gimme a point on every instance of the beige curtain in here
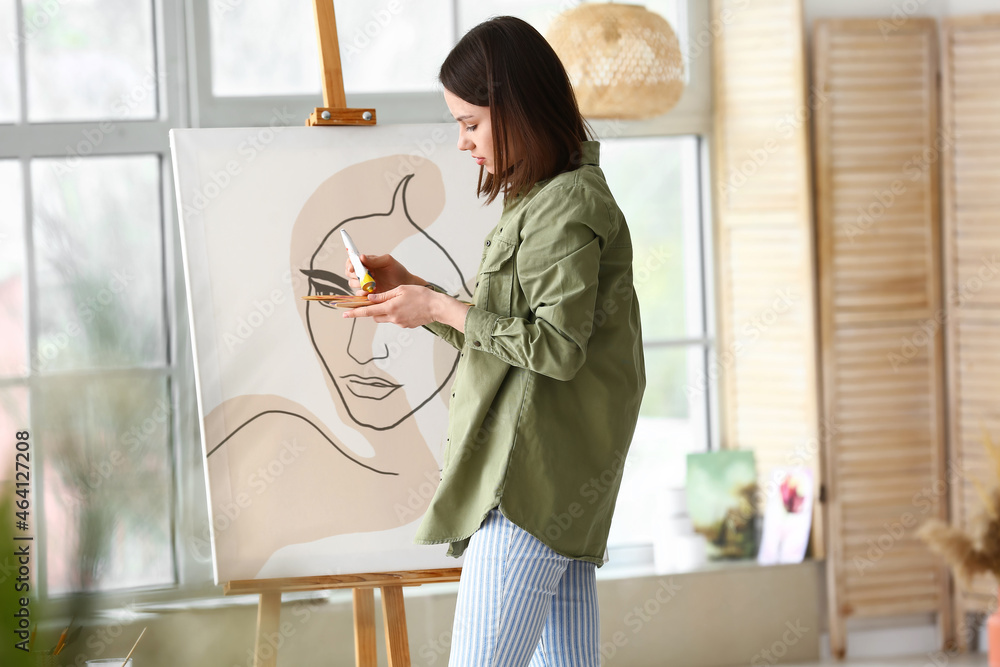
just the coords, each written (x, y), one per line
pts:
(767, 356)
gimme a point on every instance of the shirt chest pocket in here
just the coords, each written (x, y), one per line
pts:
(496, 277)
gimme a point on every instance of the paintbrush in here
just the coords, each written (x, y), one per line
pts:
(125, 661)
(334, 297)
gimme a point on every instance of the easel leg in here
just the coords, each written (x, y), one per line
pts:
(397, 642)
(364, 628)
(268, 616)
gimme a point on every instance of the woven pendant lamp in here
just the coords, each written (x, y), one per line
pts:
(624, 60)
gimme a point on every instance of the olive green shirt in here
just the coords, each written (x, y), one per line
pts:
(551, 372)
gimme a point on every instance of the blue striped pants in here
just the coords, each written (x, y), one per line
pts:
(520, 603)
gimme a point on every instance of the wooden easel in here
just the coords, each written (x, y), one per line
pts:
(362, 585)
(335, 112)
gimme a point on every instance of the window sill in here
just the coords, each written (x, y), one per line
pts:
(608, 573)
(211, 598)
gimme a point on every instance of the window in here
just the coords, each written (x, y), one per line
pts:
(390, 53)
(393, 45)
(13, 394)
(98, 259)
(101, 405)
(88, 61)
(13, 353)
(656, 181)
(88, 310)
(9, 90)
(96, 358)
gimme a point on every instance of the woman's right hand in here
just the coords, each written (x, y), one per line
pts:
(387, 272)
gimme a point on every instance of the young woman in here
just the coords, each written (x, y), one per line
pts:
(550, 373)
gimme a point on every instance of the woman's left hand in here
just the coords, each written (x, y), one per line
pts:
(406, 306)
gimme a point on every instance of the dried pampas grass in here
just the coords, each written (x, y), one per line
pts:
(978, 550)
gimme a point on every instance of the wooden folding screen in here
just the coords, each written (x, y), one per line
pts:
(971, 144)
(767, 354)
(878, 222)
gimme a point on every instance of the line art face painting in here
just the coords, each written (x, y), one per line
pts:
(322, 435)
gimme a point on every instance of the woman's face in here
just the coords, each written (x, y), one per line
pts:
(382, 373)
(475, 132)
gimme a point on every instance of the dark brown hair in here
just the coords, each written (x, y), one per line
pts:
(507, 65)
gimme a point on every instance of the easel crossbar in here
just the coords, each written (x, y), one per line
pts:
(327, 582)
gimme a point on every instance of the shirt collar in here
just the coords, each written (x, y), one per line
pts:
(590, 153)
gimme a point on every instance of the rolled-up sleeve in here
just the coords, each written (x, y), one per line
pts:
(556, 266)
(450, 334)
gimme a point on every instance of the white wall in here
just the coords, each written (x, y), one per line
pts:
(816, 9)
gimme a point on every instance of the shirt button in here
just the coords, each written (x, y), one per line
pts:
(477, 344)
(453, 394)
(487, 243)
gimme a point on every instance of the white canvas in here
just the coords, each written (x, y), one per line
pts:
(322, 435)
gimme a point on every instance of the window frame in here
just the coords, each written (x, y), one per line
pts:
(692, 115)
(638, 557)
(23, 142)
(182, 52)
